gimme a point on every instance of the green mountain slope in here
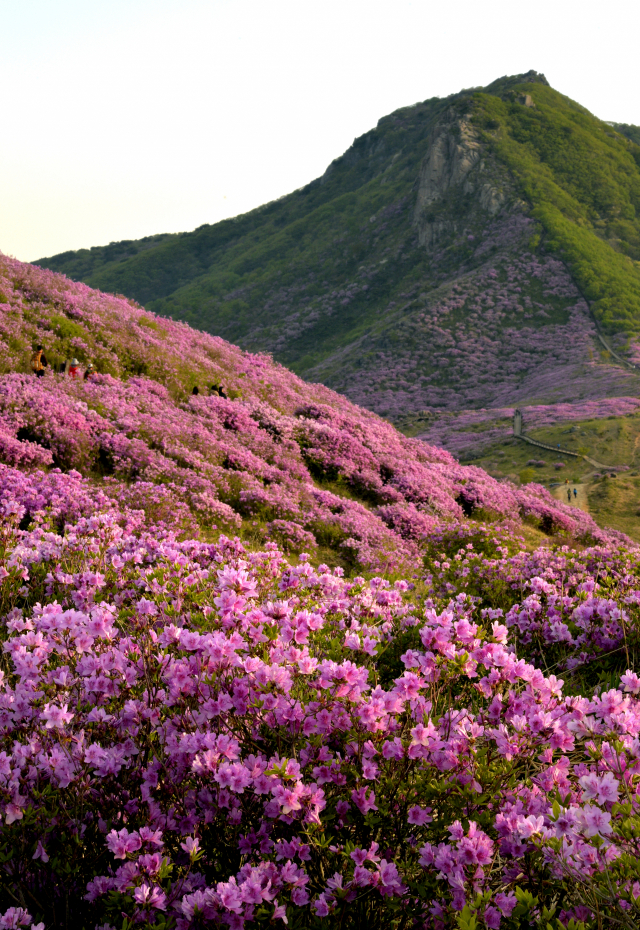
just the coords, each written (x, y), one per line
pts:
(631, 132)
(442, 262)
(582, 182)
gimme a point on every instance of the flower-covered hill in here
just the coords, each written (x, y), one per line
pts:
(274, 459)
(221, 704)
(194, 735)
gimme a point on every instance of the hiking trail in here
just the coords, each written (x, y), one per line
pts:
(581, 501)
(517, 432)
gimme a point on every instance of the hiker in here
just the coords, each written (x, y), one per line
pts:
(74, 369)
(218, 389)
(575, 492)
(38, 362)
(90, 370)
(196, 390)
(62, 368)
(569, 494)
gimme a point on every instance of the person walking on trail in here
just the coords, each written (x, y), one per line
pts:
(569, 494)
(575, 492)
(74, 369)
(38, 362)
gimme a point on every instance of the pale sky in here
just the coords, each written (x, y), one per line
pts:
(124, 118)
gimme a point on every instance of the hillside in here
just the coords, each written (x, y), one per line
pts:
(267, 661)
(276, 458)
(454, 257)
(607, 431)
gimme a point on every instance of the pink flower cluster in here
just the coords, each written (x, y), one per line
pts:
(217, 462)
(566, 612)
(164, 701)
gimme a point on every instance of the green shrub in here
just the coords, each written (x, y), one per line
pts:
(66, 328)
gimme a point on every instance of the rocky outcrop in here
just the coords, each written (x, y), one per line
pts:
(453, 151)
(458, 179)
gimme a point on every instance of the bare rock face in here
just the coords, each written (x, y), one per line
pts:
(457, 180)
(454, 150)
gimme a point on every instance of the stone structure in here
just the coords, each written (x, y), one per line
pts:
(517, 422)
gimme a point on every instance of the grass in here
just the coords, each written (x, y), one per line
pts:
(613, 502)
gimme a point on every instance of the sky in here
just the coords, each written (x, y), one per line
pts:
(125, 118)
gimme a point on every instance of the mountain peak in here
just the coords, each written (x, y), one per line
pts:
(509, 82)
(456, 257)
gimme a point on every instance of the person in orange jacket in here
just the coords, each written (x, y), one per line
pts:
(38, 362)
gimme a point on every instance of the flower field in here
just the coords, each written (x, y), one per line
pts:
(268, 662)
(513, 330)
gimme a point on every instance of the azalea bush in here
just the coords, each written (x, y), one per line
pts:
(194, 734)
(308, 477)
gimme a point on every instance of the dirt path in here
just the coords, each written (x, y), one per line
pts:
(581, 501)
